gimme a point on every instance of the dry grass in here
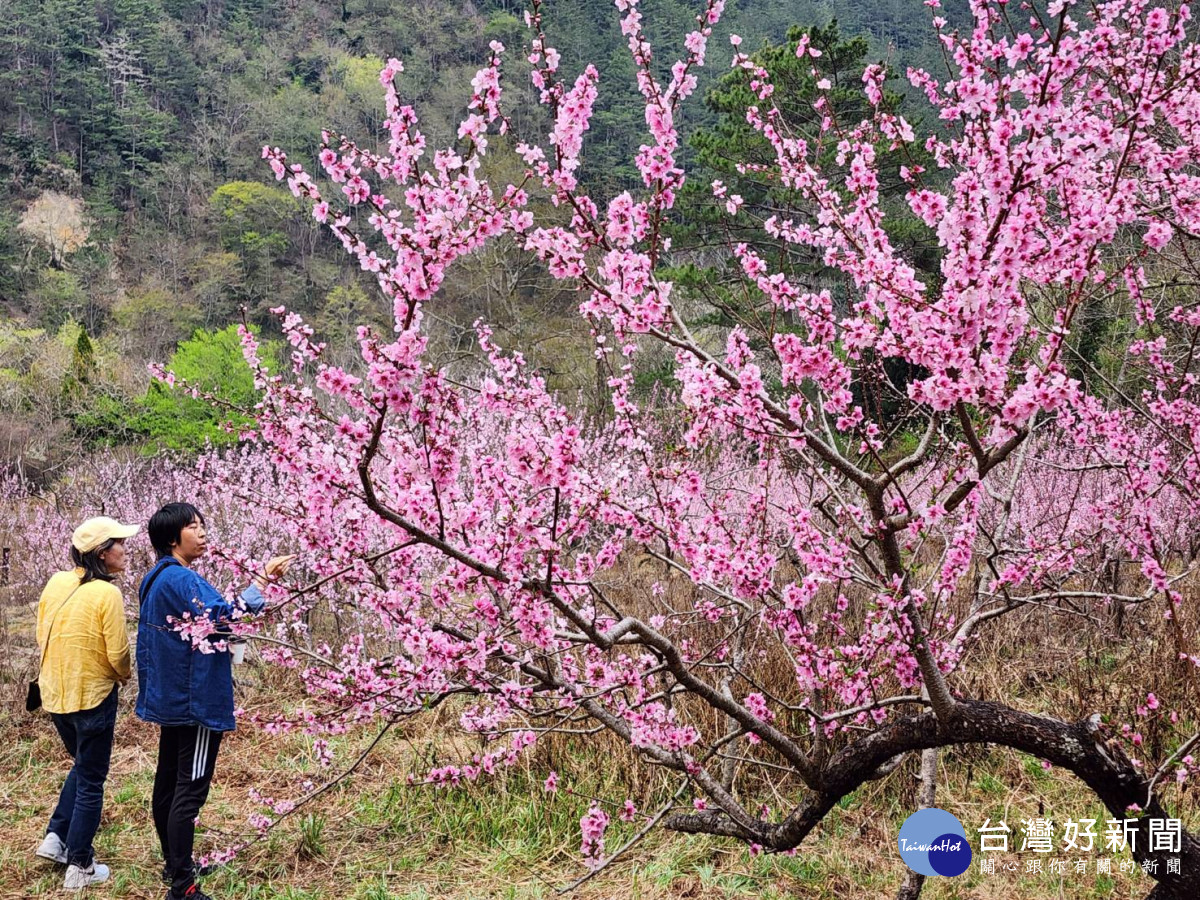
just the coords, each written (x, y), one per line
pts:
(373, 837)
(382, 840)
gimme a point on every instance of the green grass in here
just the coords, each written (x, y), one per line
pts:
(375, 837)
(990, 784)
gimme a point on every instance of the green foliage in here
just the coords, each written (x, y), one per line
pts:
(253, 216)
(344, 309)
(83, 365)
(361, 102)
(724, 151)
(210, 363)
(157, 318)
(12, 275)
(256, 223)
(503, 26)
(732, 142)
(57, 298)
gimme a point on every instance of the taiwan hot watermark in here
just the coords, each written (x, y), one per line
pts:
(934, 842)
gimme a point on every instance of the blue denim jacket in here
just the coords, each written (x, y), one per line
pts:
(177, 683)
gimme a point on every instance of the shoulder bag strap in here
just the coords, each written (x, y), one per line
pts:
(50, 630)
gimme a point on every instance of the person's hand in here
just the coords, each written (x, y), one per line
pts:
(277, 567)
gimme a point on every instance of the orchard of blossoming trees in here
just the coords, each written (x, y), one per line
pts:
(471, 529)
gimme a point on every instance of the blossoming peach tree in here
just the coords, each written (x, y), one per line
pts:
(470, 531)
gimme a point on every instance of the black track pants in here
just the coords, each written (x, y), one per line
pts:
(187, 756)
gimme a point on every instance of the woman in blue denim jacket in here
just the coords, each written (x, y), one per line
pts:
(185, 688)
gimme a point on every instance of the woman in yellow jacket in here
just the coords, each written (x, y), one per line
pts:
(85, 655)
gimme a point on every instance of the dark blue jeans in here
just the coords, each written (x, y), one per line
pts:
(88, 736)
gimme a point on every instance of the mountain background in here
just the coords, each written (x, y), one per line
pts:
(138, 222)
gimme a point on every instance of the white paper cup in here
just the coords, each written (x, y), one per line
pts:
(238, 652)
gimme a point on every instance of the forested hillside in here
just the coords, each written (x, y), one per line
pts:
(135, 208)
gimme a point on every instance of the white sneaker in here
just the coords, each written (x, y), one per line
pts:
(80, 878)
(53, 849)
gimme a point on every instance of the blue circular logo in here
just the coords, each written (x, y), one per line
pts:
(933, 842)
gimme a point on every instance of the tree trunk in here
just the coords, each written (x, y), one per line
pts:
(1081, 747)
(914, 881)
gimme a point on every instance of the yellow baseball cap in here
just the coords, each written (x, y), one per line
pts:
(94, 532)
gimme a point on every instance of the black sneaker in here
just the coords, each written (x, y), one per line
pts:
(192, 893)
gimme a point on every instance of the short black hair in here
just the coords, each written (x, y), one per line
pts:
(167, 524)
(91, 563)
